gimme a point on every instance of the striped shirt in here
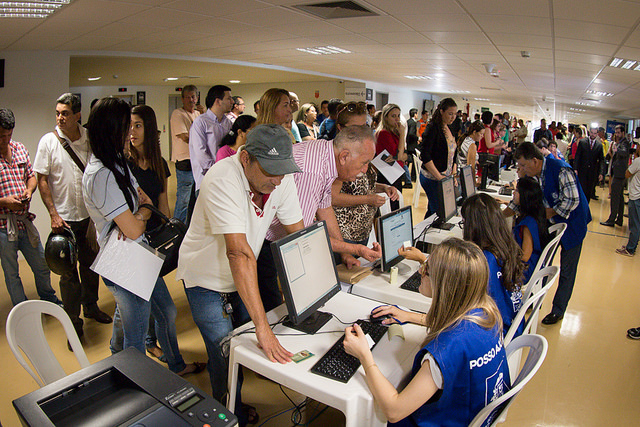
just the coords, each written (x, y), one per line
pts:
(14, 177)
(317, 161)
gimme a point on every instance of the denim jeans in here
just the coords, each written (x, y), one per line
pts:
(207, 309)
(634, 225)
(131, 322)
(430, 187)
(183, 193)
(35, 259)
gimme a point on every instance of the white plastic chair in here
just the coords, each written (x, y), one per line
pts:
(25, 332)
(542, 281)
(549, 252)
(386, 208)
(495, 412)
(417, 187)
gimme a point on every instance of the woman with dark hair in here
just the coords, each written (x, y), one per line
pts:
(236, 137)
(485, 226)
(306, 121)
(437, 152)
(531, 231)
(467, 145)
(490, 139)
(113, 196)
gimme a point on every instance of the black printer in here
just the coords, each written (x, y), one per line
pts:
(126, 389)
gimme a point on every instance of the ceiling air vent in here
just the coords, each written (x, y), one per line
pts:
(336, 9)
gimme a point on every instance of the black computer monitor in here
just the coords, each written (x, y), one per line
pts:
(394, 229)
(468, 182)
(490, 164)
(447, 207)
(308, 276)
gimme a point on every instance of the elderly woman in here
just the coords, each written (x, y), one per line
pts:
(306, 122)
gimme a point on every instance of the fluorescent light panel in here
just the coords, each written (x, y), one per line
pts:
(30, 9)
(323, 50)
(600, 93)
(419, 77)
(629, 64)
(615, 62)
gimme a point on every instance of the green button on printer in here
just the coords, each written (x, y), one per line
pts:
(222, 416)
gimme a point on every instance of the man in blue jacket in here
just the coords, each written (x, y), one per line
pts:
(565, 202)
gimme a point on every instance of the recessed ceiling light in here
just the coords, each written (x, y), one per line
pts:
(599, 93)
(460, 91)
(234, 81)
(615, 62)
(323, 50)
(630, 63)
(30, 9)
(93, 79)
(481, 99)
(170, 79)
(497, 105)
(594, 125)
(419, 77)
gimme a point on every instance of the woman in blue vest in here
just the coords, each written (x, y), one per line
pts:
(531, 231)
(463, 366)
(485, 226)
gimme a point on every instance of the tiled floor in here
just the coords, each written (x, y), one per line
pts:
(589, 378)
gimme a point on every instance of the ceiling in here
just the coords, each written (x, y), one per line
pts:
(571, 43)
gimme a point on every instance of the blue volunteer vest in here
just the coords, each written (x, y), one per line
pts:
(508, 302)
(579, 217)
(474, 373)
(532, 225)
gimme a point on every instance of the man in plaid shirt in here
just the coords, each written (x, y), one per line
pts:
(17, 232)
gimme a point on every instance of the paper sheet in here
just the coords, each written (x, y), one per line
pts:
(390, 171)
(133, 266)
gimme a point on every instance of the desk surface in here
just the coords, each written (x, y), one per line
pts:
(393, 357)
(376, 286)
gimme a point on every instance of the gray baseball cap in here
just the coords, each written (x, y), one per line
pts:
(271, 145)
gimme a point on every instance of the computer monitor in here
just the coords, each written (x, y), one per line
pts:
(490, 164)
(447, 207)
(307, 274)
(394, 229)
(468, 182)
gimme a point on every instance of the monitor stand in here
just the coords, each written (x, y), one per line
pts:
(311, 324)
(483, 180)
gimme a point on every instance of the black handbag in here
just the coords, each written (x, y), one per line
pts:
(166, 238)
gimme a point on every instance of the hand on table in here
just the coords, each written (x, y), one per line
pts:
(271, 347)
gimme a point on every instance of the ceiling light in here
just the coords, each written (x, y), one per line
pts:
(599, 93)
(419, 77)
(615, 62)
(630, 63)
(481, 99)
(93, 79)
(323, 50)
(497, 105)
(594, 125)
(30, 9)
(460, 91)
(234, 81)
(170, 79)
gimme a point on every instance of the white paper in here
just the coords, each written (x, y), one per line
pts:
(370, 341)
(132, 265)
(391, 172)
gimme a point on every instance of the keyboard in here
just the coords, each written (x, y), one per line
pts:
(413, 282)
(340, 366)
(505, 191)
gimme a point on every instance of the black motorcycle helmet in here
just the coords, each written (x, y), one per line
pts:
(61, 251)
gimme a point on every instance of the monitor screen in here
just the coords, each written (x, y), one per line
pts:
(467, 180)
(447, 208)
(307, 274)
(394, 229)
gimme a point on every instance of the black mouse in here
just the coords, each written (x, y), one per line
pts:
(379, 319)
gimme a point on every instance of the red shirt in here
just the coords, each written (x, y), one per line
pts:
(14, 177)
(482, 148)
(388, 141)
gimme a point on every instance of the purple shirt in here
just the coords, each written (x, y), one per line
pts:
(204, 137)
(317, 161)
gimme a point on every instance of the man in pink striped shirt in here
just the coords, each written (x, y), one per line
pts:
(346, 157)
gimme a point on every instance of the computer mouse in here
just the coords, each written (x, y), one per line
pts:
(379, 319)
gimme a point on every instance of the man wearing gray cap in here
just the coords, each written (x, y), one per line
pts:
(239, 197)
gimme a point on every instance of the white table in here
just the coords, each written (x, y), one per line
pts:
(496, 194)
(376, 286)
(394, 358)
(435, 236)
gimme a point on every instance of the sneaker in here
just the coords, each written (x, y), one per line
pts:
(623, 251)
(634, 333)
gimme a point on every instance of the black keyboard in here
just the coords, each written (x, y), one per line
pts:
(505, 191)
(340, 366)
(413, 282)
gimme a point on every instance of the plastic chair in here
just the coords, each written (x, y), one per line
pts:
(386, 208)
(543, 280)
(25, 332)
(549, 252)
(416, 190)
(495, 412)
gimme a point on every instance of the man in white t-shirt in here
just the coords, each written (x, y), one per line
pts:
(634, 209)
(239, 197)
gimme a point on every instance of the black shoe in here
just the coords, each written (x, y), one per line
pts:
(607, 223)
(619, 224)
(596, 198)
(407, 185)
(93, 312)
(552, 319)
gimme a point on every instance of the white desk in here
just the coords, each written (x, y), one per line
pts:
(435, 236)
(376, 286)
(394, 358)
(496, 194)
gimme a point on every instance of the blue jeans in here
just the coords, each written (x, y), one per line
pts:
(131, 322)
(634, 225)
(430, 187)
(183, 193)
(35, 259)
(207, 309)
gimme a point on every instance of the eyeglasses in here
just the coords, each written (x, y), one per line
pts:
(359, 107)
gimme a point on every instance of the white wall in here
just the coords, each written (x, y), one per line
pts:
(32, 82)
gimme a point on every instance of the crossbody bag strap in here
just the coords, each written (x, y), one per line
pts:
(72, 153)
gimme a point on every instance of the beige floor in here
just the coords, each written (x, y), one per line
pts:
(589, 378)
